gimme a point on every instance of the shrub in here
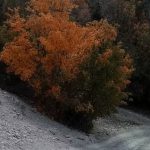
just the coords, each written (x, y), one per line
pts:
(133, 19)
(98, 89)
(57, 58)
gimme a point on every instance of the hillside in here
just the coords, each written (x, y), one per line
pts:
(22, 128)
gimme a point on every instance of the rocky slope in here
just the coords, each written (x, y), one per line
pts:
(22, 128)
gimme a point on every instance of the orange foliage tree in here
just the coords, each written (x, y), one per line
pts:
(49, 49)
(48, 43)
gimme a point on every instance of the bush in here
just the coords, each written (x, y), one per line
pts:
(106, 75)
(57, 58)
(133, 20)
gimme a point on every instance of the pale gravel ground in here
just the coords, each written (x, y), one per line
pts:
(22, 128)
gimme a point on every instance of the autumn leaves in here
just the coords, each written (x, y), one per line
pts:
(48, 50)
